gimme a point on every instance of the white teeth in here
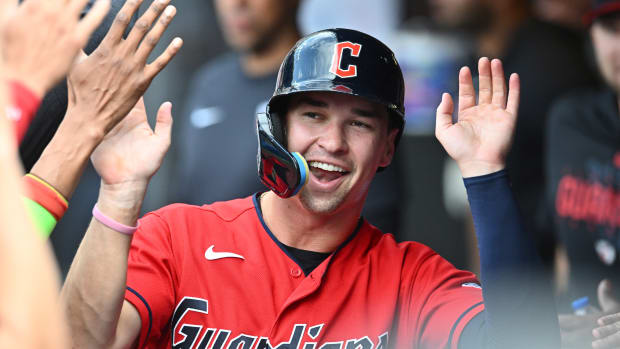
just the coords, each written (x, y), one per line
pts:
(326, 167)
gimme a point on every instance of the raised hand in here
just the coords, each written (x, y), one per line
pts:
(482, 135)
(132, 152)
(40, 38)
(108, 83)
(598, 328)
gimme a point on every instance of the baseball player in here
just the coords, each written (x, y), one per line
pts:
(297, 266)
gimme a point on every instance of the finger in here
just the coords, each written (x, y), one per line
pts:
(444, 114)
(484, 81)
(92, 20)
(612, 341)
(163, 125)
(606, 297)
(145, 22)
(79, 58)
(609, 319)
(467, 95)
(121, 21)
(499, 84)
(151, 40)
(139, 106)
(514, 86)
(75, 7)
(160, 63)
(605, 331)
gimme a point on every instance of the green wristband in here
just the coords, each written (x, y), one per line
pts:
(43, 221)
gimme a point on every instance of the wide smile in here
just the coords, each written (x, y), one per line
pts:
(326, 176)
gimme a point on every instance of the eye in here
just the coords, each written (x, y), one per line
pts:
(361, 124)
(311, 115)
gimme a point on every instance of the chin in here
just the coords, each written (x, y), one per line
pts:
(321, 205)
(240, 45)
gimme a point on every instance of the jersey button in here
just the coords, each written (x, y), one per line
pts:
(295, 272)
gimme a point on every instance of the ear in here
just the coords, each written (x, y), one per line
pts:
(390, 147)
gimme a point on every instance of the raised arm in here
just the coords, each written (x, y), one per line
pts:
(40, 40)
(94, 290)
(30, 314)
(519, 307)
(102, 88)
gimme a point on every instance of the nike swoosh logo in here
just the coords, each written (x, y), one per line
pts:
(211, 255)
(205, 117)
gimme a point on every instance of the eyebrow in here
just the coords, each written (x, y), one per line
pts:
(313, 102)
(365, 113)
(317, 103)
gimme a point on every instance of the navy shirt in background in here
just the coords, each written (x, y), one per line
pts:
(583, 196)
(216, 142)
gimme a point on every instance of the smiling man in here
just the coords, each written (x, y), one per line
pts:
(297, 266)
(345, 157)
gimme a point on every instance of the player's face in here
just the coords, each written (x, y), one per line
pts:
(606, 40)
(344, 139)
(249, 25)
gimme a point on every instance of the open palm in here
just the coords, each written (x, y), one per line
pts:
(132, 151)
(481, 137)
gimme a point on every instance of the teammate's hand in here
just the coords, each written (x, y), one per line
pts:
(40, 38)
(598, 329)
(607, 334)
(104, 86)
(132, 152)
(481, 137)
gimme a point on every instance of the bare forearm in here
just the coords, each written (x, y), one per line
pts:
(63, 161)
(24, 261)
(95, 287)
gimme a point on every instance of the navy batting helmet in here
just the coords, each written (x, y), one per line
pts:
(335, 60)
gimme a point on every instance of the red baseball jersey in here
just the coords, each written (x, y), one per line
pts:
(216, 277)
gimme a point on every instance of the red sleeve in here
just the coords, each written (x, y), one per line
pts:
(151, 277)
(445, 299)
(22, 109)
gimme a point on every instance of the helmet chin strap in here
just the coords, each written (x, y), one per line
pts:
(283, 172)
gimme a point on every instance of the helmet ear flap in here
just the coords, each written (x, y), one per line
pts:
(283, 172)
(278, 126)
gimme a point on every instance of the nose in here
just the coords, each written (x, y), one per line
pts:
(333, 138)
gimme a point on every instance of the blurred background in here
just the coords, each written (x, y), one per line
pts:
(543, 40)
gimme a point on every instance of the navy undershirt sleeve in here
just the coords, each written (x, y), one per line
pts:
(519, 307)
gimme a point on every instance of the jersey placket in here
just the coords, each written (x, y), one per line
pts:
(307, 286)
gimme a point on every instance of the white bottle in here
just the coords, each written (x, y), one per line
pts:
(582, 306)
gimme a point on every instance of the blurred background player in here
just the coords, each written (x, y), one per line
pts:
(583, 175)
(224, 97)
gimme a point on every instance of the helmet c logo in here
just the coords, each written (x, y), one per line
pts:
(351, 70)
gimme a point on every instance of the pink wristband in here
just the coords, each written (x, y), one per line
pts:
(112, 224)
